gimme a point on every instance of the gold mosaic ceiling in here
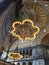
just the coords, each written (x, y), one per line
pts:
(36, 11)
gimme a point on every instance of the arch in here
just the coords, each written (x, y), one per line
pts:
(30, 63)
(20, 52)
(27, 52)
(23, 52)
(45, 39)
(24, 63)
(30, 52)
(18, 63)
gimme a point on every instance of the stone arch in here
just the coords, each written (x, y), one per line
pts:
(18, 63)
(30, 52)
(20, 52)
(24, 63)
(45, 39)
(27, 52)
(23, 52)
(30, 63)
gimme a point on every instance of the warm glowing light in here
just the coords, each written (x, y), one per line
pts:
(24, 32)
(14, 56)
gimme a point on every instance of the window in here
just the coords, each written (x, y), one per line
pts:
(23, 53)
(1, 1)
(30, 52)
(20, 52)
(30, 63)
(23, 63)
(27, 52)
(18, 63)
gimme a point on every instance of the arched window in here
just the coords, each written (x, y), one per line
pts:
(30, 52)
(23, 63)
(18, 63)
(27, 52)
(20, 52)
(23, 53)
(30, 63)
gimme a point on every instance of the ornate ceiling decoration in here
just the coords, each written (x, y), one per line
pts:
(40, 50)
(40, 13)
(25, 30)
(35, 11)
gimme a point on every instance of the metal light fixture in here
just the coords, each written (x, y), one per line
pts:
(14, 56)
(25, 30)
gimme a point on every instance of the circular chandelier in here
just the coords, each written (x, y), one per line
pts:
(25, 30)
(15, 56)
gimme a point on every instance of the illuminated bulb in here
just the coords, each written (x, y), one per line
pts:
(46, 5)
(15, 63)
(44, 30)
(35, 1)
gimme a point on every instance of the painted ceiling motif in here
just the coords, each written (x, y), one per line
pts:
(34, 11)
